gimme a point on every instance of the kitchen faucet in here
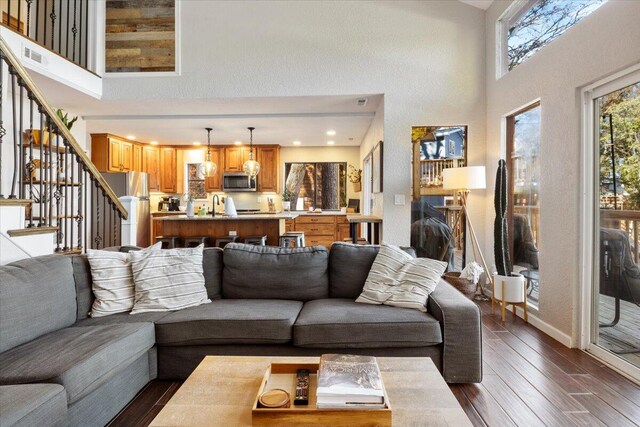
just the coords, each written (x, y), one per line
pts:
(216, 202)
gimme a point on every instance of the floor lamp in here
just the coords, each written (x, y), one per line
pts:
(462, 180)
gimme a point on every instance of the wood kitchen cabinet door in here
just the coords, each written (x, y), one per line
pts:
(126, 156)
(214, 183)
(269, 159)
(114, 155)
(234, 158)
(137, 158)
(151, 165)
(168, 171)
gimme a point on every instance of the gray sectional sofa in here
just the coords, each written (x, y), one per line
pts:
(58, 363)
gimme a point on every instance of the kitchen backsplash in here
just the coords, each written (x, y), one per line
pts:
(241, 200)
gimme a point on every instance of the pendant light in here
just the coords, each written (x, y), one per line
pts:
(251, 167)
(209, 168)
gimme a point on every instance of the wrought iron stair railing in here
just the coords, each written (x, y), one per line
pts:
(47, 166)
(61, 26)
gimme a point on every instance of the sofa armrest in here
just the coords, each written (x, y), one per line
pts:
(460, 321)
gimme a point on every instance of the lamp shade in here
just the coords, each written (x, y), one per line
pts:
(467, 178)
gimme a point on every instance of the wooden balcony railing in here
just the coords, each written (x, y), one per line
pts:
(628, 221)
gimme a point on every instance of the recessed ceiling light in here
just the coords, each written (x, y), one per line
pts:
(331, 142)
(238, 142)
(196, 143)
(131, 137)
(154, 143)
(331, 132)
(297, 142)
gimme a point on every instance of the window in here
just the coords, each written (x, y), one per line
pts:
(523, 154)
(527, 26)
(317, 185)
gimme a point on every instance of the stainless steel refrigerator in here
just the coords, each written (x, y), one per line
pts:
(134, 184)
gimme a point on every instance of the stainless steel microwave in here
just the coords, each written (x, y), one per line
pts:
(238, 182)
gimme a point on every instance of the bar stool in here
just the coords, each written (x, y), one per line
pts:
(168, 242)
(295, 237)
(296, 233)
(221, 242)
(256, 240)
(190, 242)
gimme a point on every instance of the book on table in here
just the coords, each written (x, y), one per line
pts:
(349, 381)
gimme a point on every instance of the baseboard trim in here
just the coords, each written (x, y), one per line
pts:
(552, 331)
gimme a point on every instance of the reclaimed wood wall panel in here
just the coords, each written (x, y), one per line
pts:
(140, 36)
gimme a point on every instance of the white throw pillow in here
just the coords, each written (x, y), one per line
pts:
(398, 279)
(168, 279)
(112, 279)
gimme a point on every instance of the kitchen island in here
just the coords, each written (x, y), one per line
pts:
(270, 225)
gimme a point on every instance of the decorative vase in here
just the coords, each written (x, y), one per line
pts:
(190, 209)
(513, 286)
(357, 186)
(286, 205)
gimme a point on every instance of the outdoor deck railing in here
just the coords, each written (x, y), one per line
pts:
(628, 221)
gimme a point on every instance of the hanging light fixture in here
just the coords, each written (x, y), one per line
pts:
(208, 168)
(251, 167)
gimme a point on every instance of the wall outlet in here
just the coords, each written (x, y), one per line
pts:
(398, 200)
(259, 199)
(233, 233)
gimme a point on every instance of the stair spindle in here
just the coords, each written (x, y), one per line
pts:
(51, 178)
(21, 150)
(30, 163)
(80, 219)
(58, 193)
(43, 129)
(104, 222)
(72, 199)
(86, 191)
(65, 188)
(2, 129)
(14, 181)
(66, 49)
(53, 17)
(86, 28)
(74, 30)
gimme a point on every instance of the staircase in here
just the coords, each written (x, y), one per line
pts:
(52, 197)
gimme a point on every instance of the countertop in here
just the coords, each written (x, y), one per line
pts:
(219, 217)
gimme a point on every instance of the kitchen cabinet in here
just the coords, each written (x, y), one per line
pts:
(269, 159)
(234, 158)
(110, 153)
(168, 171)
(137, 157)
(151, 165)
(214, 183)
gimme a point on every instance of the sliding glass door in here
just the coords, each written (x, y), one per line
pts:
(615, 296)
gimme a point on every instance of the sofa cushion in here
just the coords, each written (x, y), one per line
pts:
(168, 279)
(115, 319)
(349, 267)
(229, 321)
(79, 358)
(32, 405)
(265, 272)
(343, 323)
(37, 296)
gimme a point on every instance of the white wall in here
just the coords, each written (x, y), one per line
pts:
(602, 43)
(427, 58)
(374, 135)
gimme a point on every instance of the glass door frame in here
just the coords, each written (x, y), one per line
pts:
(590, 218)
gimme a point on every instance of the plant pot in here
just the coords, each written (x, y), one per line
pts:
(190, 209)
(357, 187)
(514, 288)
(286, 205)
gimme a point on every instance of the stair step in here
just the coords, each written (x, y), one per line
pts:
(15, 202)
(70, 251)
(56, 217)
(45, 182)
(31, 231)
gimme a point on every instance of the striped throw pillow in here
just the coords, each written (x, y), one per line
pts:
(168, 279)
(398, 279)
(112, 279)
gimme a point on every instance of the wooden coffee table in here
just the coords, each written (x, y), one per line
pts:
(222, 389)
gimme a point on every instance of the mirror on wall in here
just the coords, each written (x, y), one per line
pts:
(435, 233)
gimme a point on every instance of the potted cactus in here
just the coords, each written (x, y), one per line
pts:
(507, 286)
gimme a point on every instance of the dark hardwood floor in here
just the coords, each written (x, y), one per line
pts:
(529, 380)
